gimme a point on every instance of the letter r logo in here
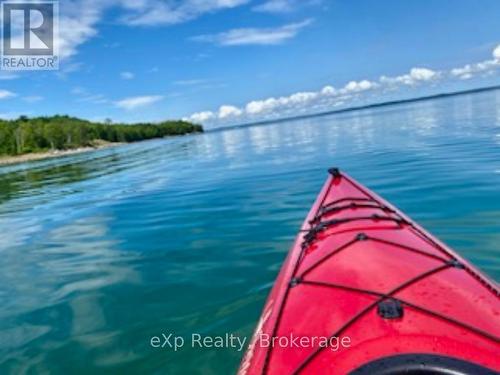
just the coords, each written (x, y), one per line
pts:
(28, 28)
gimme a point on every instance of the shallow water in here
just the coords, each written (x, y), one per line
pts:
(101, 251)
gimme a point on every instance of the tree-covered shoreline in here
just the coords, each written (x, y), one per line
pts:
(27, 135)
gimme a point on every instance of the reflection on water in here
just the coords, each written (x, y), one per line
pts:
(14, 185)
(100, 251)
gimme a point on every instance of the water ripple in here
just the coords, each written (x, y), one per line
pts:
(100, 251)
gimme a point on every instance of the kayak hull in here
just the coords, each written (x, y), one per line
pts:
(361, 283)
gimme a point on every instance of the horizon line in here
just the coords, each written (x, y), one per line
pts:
(357, 108)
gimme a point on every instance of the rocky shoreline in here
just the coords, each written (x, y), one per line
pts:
(9, 160)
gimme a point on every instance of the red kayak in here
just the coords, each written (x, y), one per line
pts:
(365, 290)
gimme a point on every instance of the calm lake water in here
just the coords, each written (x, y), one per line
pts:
(101, 251)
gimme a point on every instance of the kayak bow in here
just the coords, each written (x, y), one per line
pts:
(365, 290)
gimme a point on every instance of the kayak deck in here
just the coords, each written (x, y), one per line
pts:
(361, 269)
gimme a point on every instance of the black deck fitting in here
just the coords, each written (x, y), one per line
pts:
(294, 282)
(331, 222)
(361, 237)
(335, 172)
(311, 235)
(390, 309)
(456, 264)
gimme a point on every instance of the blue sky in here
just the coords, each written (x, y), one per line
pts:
(232, 61)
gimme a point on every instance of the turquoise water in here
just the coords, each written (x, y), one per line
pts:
(101, 251)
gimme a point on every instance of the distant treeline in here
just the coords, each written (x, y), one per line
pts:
(26, 135)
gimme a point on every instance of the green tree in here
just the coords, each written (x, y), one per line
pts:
(63, 132)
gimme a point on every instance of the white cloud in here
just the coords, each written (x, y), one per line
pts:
(79, 19)
(496, 52)
(136, 102)
(466, 72)
(5, 94)
(254, 36)
(471, 70)
(77, 24)
(415, 76)
(329, 98)
(355, 87)
(422, 74)
(283, 6)
(94, 99)
(275, 6)
(328, 90)
(86, 97)
(201, 117)
(302, 97)
(127, 75)
(226, 111)
(170, 12)
(260, 106)
(284, 103)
